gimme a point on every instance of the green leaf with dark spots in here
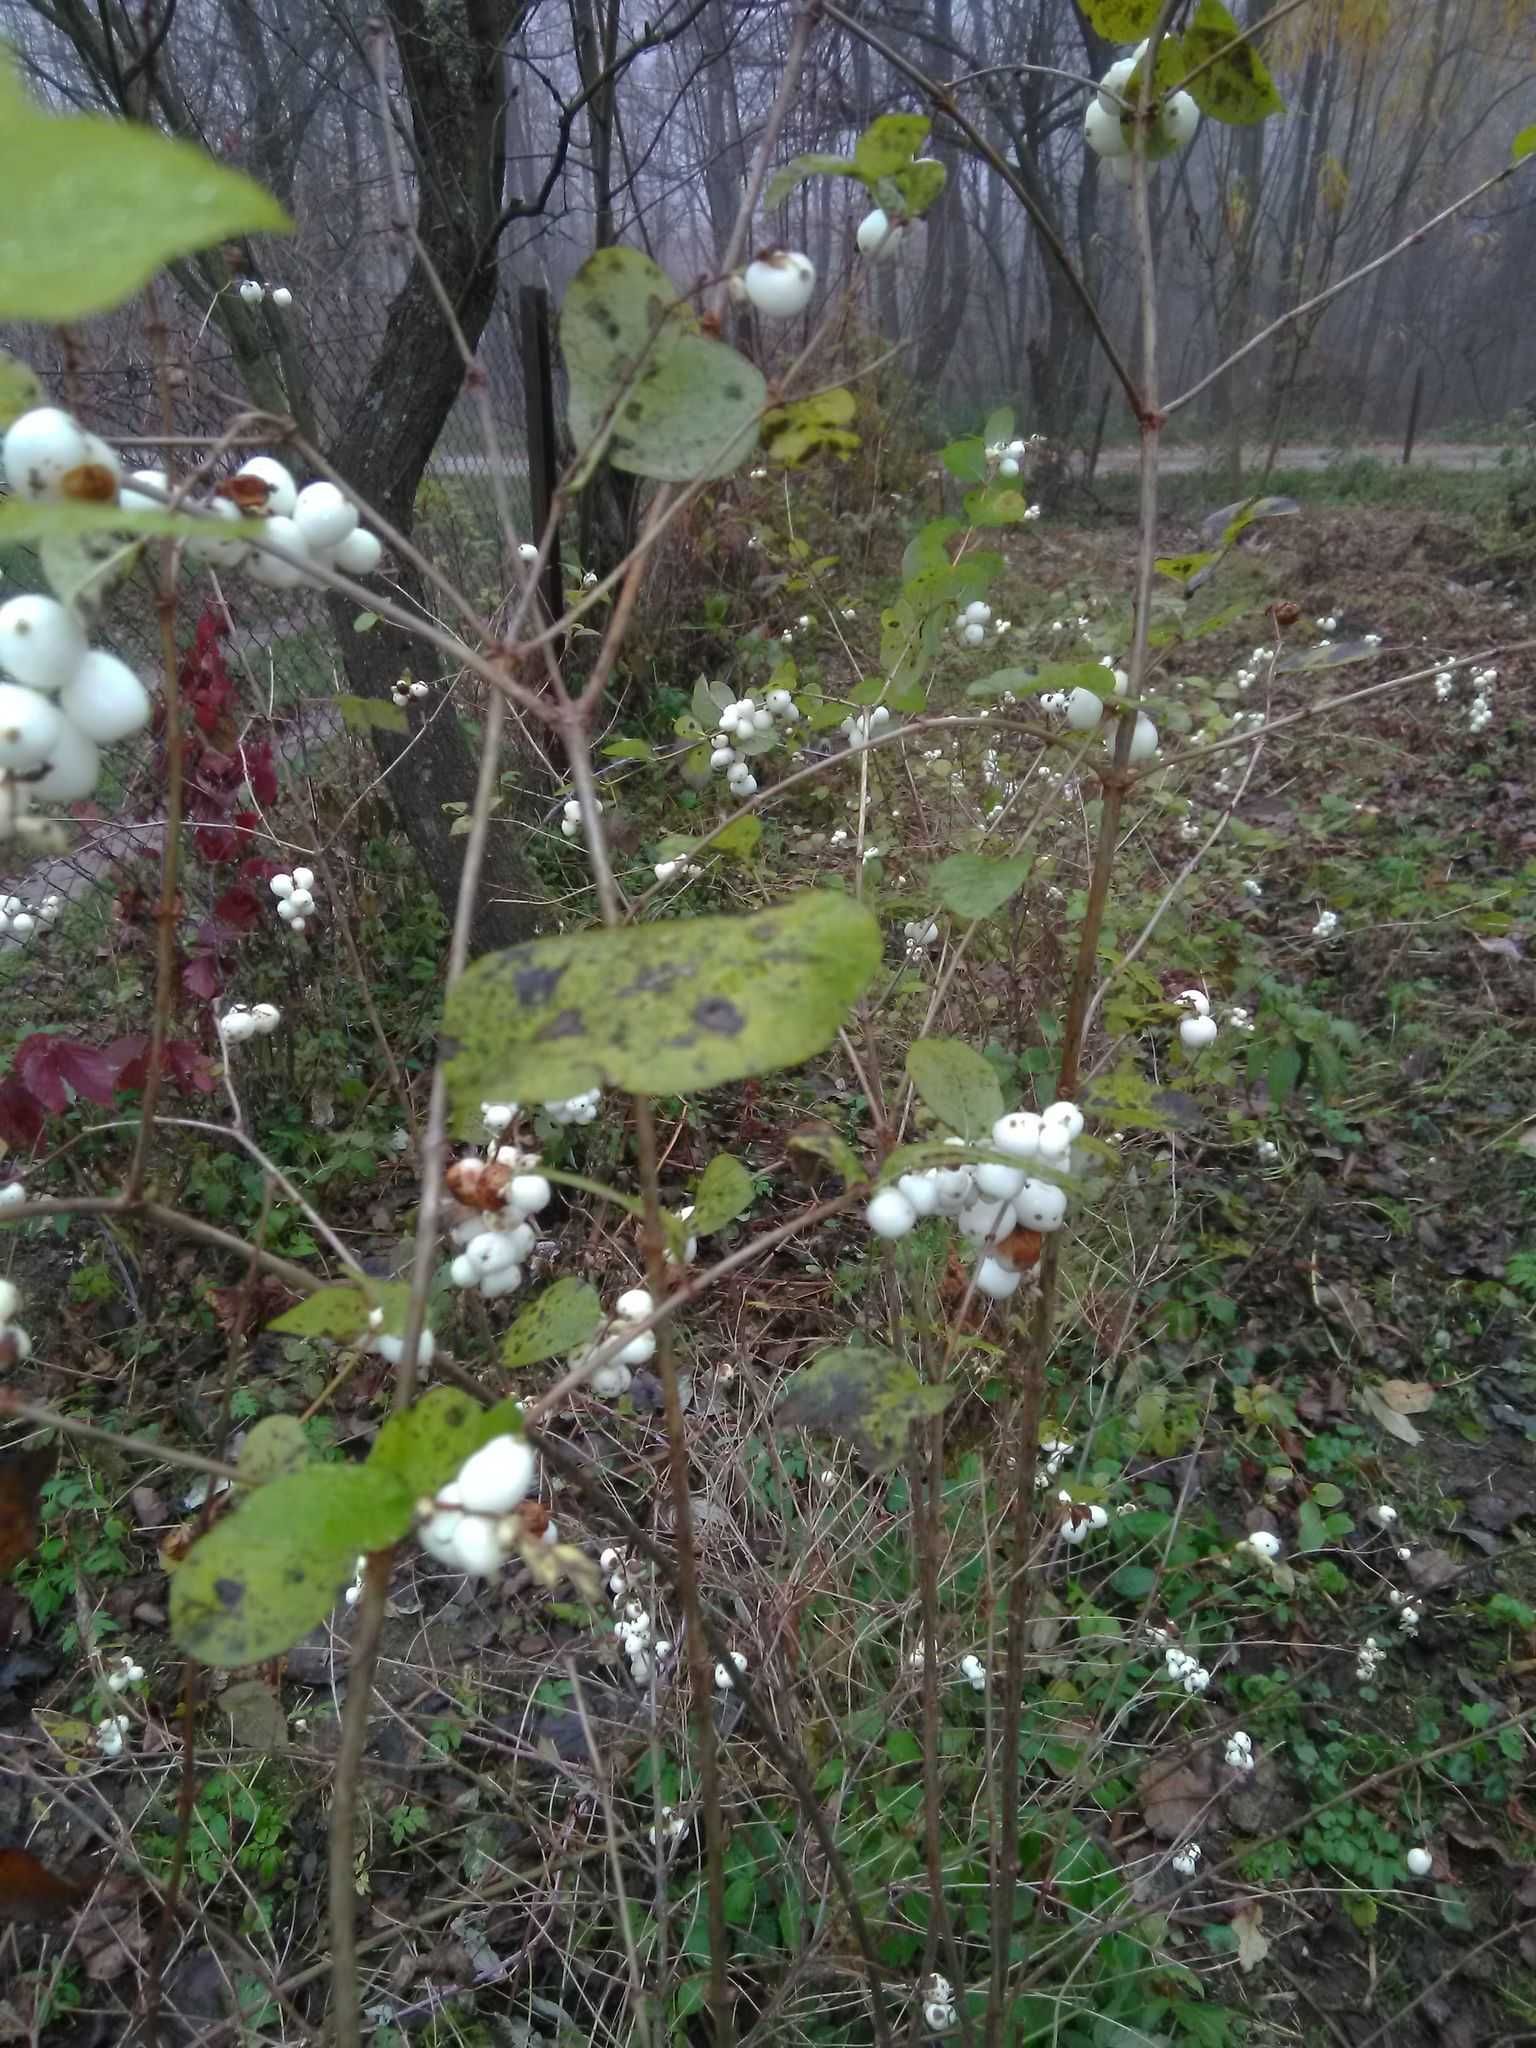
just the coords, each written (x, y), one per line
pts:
(863, 1393)
(265, 1575)
(889, 144)
(661, 1010)
(274, 1446)
(724, 1191)
(342, 1310)
(957, 1084)
(740, 840)
(647, 389)
(425, 1444)
(792, 432)
(563, 1317)
(1123, 21)
(1237, 87)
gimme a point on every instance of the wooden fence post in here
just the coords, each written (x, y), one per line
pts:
(539, 403)
(1413, 416)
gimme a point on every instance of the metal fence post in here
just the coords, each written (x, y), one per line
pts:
(539, 399)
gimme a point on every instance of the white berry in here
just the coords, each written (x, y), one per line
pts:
(282, 491)
(105, 700)
(780, 283)
(42, 643)
(359, 554)
(41, 448)
(497, 1476)
(324, 516)
(890, 1214)
(29, 728)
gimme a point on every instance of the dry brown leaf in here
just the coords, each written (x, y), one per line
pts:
(1394, 1423)
(1174, 1798)
(1408, 1397)
(1252, 1945)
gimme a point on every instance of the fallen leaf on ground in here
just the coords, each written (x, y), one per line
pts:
(1252, 1945)
(1392, 1422)
(1432, 1569)
(1408, 1397)
(1175, 1797)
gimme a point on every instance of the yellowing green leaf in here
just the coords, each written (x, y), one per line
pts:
(1236, 87)
(957, 1084)
(371, 714)
(264, 1576)
(889, 144)
(863, 1393)
(562, 1317)
(663, 1009)
(792, 432)
(425, 1444)
(1523, 145)
(275, 1445)
(20, 389)
(1123, 21)
(93, 207)
(647, 389)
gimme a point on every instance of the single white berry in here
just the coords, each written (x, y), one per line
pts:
(286, 568)
(23, 925)
(477, 1547)
(41, 448)
(1017, 1134)
(1041, 1205)
(920, 1192)
(878, 237)
(1178, 119)
(1084, 710)
(266, 1017)
(30, 727)
(1066, 1116)
(780, 283)
(634, 1305)
(324, 516)
(1001, 1182)
(1009, 466)
(1114, 82)
(639, 1349)
(105, 699)
(977, 613)
(42, 643)
(1420, 1862)
(1263, 1543)
(74, 769)
(609, 1382)
(1197, 1000)
(282, 298)
(1196, 1033)
(995, 1279)
(1104, 131)
(251, 292)
(495, 1478)
(304, 879)
(973, 634)
(890, 1214)
(359, 554)
(133, 498)
(527, 551)
(529, 1192)
(282, 491)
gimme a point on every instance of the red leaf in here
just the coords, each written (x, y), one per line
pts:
(87, 1070)
(240, 908)
(190, 1067)
(261, 771)
(34, 1064)
(217, 844)
(29, 1891)
(130, 1054)
(21, 1115)
(201, 977)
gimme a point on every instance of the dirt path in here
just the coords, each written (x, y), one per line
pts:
(1317, 455)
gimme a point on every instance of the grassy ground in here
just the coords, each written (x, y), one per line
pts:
(1300, 1285)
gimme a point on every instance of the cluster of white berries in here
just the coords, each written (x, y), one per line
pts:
(315, 526)
(65, 700)
(991, 1199)
(1110, 124)
(570, 817)
(938, 1996)
(1186, 1860)
(1327, 924)
(1408, 1616)
(748, 724)
(252, 292)
(674, 1826)
(1445, 682)
(860, 727)
(1008, 458)
(972, 623)
(918, 936)
(18, 922)
(1054, 1452)
(575, 1109)
(111, 1734)
(249, 1020)
(124, 1673)
(665, 870)
(295, 895)
(726, 1672)
(779, 283)
(11, 1332)
(1081, 1522)
(633, 1625)
(611, 1379)
(804, 623)
(1369, 1661)
(469, 1526)
(1239, 1753)
(1480, 711)
(405, 692)
(974, 1672)
(492, 1256)
(1185, 1670)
